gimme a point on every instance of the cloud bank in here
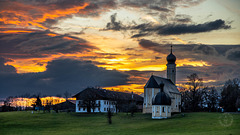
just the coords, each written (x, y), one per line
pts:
(61, 75)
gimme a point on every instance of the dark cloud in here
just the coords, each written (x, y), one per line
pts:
(6, 68)
(147, 29)
(178, 29)
(162, 9)
(234, 54)
(209, 53)
(182, 18)
(205, 49)
(217, 73)
(139, 35)
(160, 5)
(148, 44)
(114, 25)
(35, 44)
(141, 77)
(61, 75)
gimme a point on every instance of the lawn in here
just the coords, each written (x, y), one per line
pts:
(26, 123)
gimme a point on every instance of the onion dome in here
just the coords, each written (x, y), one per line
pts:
(171, 58)
(161, 98)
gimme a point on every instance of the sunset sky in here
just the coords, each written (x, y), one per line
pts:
(53, 46)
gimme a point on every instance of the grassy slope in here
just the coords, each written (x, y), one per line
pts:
(142, 124)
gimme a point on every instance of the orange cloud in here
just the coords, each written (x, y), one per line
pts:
(135, 88)
(16, 31)
(69, 38)
(21, 15)
(179, 40)
(51, 34)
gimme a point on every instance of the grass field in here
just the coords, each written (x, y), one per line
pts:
(26, 123)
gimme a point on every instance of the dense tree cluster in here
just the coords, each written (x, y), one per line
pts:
(197, 97)
(230, 95)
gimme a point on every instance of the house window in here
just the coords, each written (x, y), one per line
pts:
(168, 109)
(98, 102)
(104, 102)
(104, 109)
(98, 108)
(83, 108)
(79, 108)
(163, 109)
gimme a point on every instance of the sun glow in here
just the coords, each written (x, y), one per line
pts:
(189, 62)
(135, 88)
(28, 102)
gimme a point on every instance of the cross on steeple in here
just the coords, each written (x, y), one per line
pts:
(171, 48)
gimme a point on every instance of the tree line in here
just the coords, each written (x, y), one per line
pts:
(198, 97)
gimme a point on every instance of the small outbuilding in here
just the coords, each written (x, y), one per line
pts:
(161, 105)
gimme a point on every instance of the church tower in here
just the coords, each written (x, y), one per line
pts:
(171, 67)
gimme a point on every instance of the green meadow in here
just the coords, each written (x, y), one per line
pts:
(26, 123)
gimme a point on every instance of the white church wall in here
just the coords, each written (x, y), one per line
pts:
(149, 93)
(176, 102)
(161, 111)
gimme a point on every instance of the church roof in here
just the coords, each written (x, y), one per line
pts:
(152, 83)
(169, 86)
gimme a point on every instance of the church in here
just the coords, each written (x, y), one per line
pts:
(161, 96)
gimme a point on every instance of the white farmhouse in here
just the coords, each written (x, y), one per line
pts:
(101, 100)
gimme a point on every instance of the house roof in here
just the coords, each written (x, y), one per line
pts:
(169, 86)
(102, 94)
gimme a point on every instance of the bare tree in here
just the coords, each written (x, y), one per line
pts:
(192, 92)
(90, 102)
(66, 95)
(38, 103)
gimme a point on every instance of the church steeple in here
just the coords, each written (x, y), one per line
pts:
(171, 67)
